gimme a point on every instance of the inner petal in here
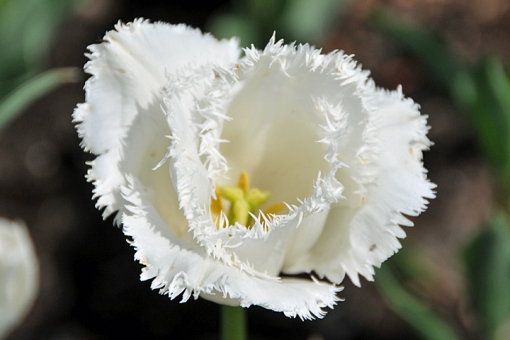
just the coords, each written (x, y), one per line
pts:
(273, 135)
(144, 156)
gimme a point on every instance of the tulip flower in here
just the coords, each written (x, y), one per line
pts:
(231, 174)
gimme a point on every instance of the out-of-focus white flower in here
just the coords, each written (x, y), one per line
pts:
(327, 164)
(19, 274)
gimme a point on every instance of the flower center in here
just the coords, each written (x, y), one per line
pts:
(244, 201)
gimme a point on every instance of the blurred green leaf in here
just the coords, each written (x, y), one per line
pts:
(254, 21)
(229, 25)
(35, 88)
(482, 90)
(429, 325)
(500, 82)
(26, 28)
(415, 265)
(308, 21)
(442, 66)
(265, 11)
(44, 17)
(487, 260)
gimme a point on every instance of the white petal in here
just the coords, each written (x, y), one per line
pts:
(374, 142)
(289, 110)
(128, 72)
(181, 268)
(356, 238)
(19, 274)
(274, 131)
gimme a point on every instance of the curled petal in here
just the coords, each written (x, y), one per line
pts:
(390, 181)
(128, 72)
(179, 268)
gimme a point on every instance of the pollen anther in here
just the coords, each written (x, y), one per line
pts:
(244, 202)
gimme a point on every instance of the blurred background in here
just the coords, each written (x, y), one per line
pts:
(450, 281)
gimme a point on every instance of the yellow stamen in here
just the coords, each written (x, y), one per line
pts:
(243, 201)
(274, 209)
(216, 204)
(244, 182)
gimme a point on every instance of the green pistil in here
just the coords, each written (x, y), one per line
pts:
(242, 203)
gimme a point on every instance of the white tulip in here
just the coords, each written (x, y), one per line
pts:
(19, 275)
(327, 164)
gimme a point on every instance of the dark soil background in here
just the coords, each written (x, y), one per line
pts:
(90, 286)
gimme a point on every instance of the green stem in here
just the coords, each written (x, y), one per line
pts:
(233, 323)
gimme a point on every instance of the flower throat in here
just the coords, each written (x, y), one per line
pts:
(244, 201)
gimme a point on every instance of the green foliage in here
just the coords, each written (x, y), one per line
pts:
(414, 311)
(308, 21)
(33, 89)
(26, 28)
(487, 261)
(482, 90)
(441, 66)
(255, 21)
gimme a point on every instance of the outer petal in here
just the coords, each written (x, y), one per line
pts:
(178, 267)
(128, 71)
(19, 274)
(393, 182)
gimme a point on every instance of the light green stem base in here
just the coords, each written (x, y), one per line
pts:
(233, 323)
